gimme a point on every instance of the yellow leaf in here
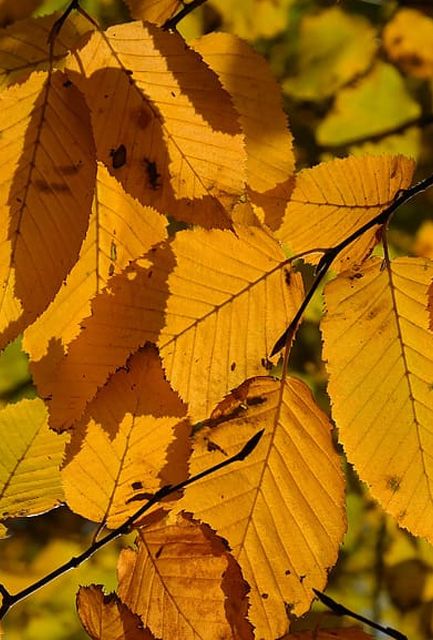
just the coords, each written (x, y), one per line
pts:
(120, 230)
(214, 303)
(282, 509)
(382, 92)
(378, 349)
(30, 456)
(24, 45)
(157, 11)
(407, 39)
(253, 19)
(246, 76)
(332, 200)
(48, 174)
(130, 439)
(334, 47)
(106, 617)
(184, 584)
(423, 245)
(162, 122)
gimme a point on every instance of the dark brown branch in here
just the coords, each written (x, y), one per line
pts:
(171, 23)
(330, 254)
(10, 599)
(341, 610)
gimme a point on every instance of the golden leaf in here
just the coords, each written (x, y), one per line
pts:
(129, 441)
(334, 199)
(120, 230)
(106, 617)
(30, 456)
(48, 174)
(247, 77)
(184, 584)
(214, 303)
(282, 509)
(162, 122)
(157, 11)
(24, 45)
(378, 349)
(254, 19)
(407, 40)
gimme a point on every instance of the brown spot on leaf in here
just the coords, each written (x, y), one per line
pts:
(393, 483)
(233, 366)
(118, 156)
(265, 596)
(137, 485)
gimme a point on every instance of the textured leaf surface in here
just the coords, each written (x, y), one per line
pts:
(379, 350)
(213, 301)
(247, 77)
(282, 509)
(106, 617)
(30, 456)
(131, 438)
(46, 189)
(185, 142)
(24, 45)
(184, 584)
(120, 230)
(335, 198)
(407, 39)
(157, 11)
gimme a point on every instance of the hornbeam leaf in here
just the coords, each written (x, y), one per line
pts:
(282, 509)
(47, 181)
(247, 77)
(156, 11)
(184, 584)
(214, 303)
(30, 456)
(378, 349)
(128, 438)
(334, 199)
(106, 617)
(120, 230)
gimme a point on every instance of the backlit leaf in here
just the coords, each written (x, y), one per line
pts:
(378, 349)
(281, 510)
(48, 173)
(247, 78)
(162, 122)
(184, 584)
(382, 92)
(407, 40)
(332, 200)
(24, 45)
(131, 439)
(157, 11)
(106, 617)
(214, 303)
(10, 10)
(30, 455)
(253, 19)
(120, 230)
(334, 47)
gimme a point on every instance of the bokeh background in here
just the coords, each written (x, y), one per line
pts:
(356, 78)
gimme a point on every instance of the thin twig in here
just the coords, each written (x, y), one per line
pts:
(341, 610)
(171, 23)
(10, 599)
(330, 254)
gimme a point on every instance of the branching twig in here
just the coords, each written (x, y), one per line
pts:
(330, 254)
(171, 23)
(341, 610)
(10, 599)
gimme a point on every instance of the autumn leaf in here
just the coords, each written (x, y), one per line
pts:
(214, 303)
(254, 19)
(185, 143)
(48, 174)
(120, 230)
(281, 510)
(30, 456)
(184, 584)
(106, 617)
(129, 441)
(407, 40)
(334, 199)
(257, 98)
(156, 11)
(24, 45)
(11, 10)
(341, 633)
(378, 347)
